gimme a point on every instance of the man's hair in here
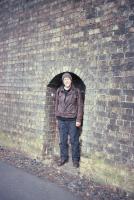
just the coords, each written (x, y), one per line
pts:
(66, 75)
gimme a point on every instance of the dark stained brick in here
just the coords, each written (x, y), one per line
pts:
(127, 105)
(131, 17)
(114, 92)
(117, 56)
(128, 117)
(129, 54)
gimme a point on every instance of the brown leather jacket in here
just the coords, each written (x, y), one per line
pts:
(70, 106)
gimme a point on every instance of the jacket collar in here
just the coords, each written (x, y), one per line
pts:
(72, 88)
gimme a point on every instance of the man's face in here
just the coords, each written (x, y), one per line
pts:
(67, 82)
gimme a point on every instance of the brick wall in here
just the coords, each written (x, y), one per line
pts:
(39, 40)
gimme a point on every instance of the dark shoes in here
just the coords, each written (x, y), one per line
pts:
(76, 164)
(62, 162)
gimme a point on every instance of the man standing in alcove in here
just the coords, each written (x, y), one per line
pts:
(69, 113)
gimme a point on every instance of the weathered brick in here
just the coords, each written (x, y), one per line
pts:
(114, 92)
(129, 54)
(90, 12)
(129, 66)
(91, 39)
(129, 111)
(117, 56)
(127, 105)
(128, 92)
(131, 17)
(113, 127)
(128, 117)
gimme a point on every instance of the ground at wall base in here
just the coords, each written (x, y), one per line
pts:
(88, 189)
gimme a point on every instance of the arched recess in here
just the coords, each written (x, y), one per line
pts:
(51, 139)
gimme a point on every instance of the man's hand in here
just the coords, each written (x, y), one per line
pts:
(78, 124)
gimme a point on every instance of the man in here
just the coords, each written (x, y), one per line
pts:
(69, 112)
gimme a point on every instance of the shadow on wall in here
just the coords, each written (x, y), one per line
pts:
(51, 139)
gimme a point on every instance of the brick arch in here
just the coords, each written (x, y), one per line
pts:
(51, 143)
(53, 72)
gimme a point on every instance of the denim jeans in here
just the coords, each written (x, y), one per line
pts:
(68, 128)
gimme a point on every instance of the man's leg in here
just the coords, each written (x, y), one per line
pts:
(74, 137)
(63, 133)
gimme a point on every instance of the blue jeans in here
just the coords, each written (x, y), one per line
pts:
(68, 127)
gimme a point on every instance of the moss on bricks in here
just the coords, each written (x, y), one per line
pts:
(117, 175)
(30, 145)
